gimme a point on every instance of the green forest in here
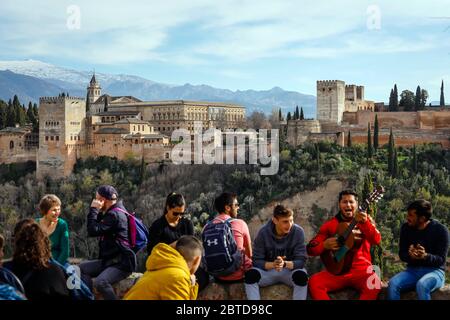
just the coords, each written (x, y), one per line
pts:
(406, 174)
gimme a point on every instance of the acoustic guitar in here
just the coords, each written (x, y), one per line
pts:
(340, 261)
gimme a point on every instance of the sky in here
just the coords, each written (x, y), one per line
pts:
(240, 45)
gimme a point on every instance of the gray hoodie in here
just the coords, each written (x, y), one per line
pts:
(267, 247)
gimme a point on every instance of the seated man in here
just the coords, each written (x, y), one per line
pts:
(107, 221)
(279, 256)
(423, 246)
(170, 272)
(360, 275)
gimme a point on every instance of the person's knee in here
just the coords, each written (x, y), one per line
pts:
(100, 283)
(252, 276)
(300, 278)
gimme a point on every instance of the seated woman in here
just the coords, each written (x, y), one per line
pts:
(55, 227)
(41, 279)
(171, 226)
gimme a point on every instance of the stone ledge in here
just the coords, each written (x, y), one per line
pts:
(236, 291)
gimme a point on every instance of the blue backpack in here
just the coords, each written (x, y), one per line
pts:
(8, 292)
(137, 231)
(221, 254)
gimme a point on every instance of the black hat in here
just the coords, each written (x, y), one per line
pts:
(108, 192)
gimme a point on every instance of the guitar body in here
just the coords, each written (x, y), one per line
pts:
(349, 239)
(340, 261)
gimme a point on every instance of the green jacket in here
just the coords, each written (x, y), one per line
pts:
(60, 241)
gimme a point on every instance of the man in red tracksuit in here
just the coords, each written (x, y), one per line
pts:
(361, 275)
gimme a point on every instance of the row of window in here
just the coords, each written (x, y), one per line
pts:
(51, 123)
(75, 123)
(52, 138)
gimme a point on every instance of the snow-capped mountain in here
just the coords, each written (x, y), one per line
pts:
(42, 79)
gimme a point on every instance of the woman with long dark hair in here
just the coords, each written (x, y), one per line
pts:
(31, 264)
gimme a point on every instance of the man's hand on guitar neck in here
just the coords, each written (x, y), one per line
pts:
(361, 216)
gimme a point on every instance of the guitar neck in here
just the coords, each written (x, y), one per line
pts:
(352, 224)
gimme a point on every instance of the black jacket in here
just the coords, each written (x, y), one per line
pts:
(46, 284)
(112, 228)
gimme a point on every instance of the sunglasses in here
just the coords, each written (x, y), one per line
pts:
(176, 214)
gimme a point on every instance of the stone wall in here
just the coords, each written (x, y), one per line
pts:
(236, 291)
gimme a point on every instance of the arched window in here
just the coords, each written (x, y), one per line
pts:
(11, 144)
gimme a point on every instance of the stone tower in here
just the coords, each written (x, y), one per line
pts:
(94, 91)
(61, 135)
(330, 101)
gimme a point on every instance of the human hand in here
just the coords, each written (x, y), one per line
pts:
(331, 244)
(279, 263)
(420, 252)
(193, 279)
(96, 203)
(361, 216)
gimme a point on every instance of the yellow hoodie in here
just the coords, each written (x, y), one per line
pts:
(167, 277)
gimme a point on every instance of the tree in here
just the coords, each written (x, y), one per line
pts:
(375, 134)
(3, 109)
(418, 99)
(30, 115)
(289, 116)
(407, 100)
(395, 98)
(280, 115)
(423, 98)
(10, 115)
(297, 114)
(302, 116)
(391, 100)
(258, 120)
(391, 148)
(88, 104)
(442, 100)
(349, 140)
(369, 142)
(395, 165)
(414, 160)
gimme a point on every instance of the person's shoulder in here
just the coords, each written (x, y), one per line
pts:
(438, 226)
(238, 222)
(298, 229)
(62, 222)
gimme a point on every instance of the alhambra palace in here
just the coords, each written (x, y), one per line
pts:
(125, 127)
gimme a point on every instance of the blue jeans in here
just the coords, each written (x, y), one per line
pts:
(424, 279)
(104, 277)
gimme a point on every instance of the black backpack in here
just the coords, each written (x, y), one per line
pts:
(221, 255)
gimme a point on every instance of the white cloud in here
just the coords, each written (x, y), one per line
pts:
(239, 30)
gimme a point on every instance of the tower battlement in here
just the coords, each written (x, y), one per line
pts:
(329, 83)
(58, 99)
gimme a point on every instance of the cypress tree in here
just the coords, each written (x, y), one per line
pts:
(391, 153)
(391, 100)
(442, 100)
(10, 115)
(395, 164)
(376, 133)
(395, 98)
(288, 117)
(369, 142)
(297, 114)
(302, 116)
(88, 104)
(417, 99)
(414, 159)
(280, 115)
